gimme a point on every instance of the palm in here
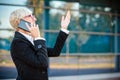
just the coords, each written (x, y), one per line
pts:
(65, 20)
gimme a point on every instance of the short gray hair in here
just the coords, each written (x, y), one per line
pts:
(18, 14)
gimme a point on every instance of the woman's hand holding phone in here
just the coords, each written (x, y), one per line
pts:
(34, 30)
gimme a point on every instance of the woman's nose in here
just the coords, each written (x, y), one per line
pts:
(34, 18)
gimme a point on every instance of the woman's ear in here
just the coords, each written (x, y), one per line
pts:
(18, 21)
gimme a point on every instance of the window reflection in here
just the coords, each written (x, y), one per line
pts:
(83, 21)
(20, 2)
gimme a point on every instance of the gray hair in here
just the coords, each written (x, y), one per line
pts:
(18, 14)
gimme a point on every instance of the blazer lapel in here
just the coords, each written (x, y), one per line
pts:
(23, 38)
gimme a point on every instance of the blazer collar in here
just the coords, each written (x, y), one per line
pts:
(21, 37)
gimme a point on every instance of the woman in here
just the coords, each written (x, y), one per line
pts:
(28, 48)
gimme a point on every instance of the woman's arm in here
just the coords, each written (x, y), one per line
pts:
(56, 50)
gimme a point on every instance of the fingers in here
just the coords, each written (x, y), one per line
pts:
(34, 25)
(68, 15)
(37, 25)
(31, 26)
(65, 20)
(62, 18)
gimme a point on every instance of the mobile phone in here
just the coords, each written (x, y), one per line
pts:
(23, 25)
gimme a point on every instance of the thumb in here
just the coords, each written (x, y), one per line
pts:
(62, 19)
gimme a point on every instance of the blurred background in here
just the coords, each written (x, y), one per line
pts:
(91, 48)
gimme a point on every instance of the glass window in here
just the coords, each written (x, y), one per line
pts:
(16, 2)
(88, 23)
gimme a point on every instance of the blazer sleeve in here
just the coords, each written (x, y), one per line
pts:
(34, 57)
(56, 50)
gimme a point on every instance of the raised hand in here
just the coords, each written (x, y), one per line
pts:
(65, 20)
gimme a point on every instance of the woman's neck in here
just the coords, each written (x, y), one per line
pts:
(23, 31)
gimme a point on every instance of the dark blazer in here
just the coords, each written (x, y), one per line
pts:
(30, 60)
